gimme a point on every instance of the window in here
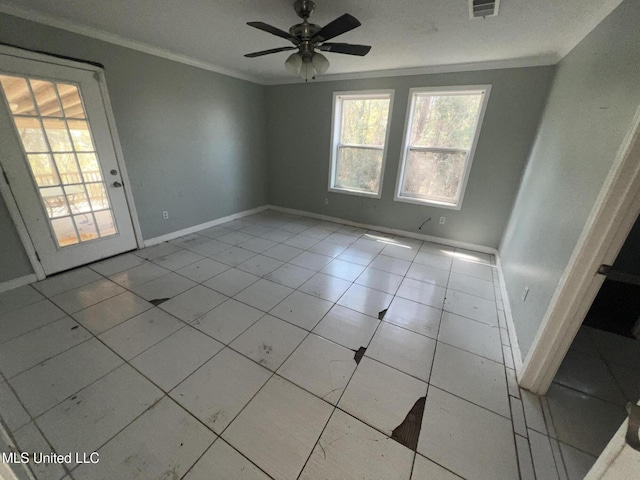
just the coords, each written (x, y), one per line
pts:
(440, 138)
(358, 144)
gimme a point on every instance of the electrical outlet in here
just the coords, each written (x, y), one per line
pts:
(525, 292)
(165, 215)
(442, 219)
(326, 201)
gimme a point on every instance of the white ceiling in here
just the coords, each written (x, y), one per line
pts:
(423, 35)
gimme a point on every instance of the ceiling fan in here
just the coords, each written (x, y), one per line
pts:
(307, 38)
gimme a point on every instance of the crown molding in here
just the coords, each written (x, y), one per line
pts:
(63, 24)
(539, 61)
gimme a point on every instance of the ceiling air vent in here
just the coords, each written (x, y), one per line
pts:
(483, 8)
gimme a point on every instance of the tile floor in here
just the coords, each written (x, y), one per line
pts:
(280, 347)
(599, 375)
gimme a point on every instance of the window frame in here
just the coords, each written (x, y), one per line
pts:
(454, 90)
(336, 131)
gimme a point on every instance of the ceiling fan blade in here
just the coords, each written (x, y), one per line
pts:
(267, 52)
(273, 31)
(339, 26)
(346, 48)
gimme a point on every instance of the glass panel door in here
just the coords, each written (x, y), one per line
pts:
(57, 141)
(59, 158)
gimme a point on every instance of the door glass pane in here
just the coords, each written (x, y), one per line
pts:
(59, 149)
(98, 196)
(57, 134)
(18, 95)
(67, 168)
(104, 219)
(54, 202)
(31, 135)
(65, 231)
(77, 199)
(86, 227)
(71, 101)
(46, 98)
(43, 170)
(90, 167)
(81, 136)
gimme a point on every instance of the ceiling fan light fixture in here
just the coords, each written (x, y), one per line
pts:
(306, 70)
(293, 63)
(320, 63)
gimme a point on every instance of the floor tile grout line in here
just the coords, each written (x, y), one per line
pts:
(187, 323)
(335, 406)
(32, 420)
(609, 402)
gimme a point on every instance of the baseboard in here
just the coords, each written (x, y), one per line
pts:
(196, 228)
(18, 282)
(513, 337)
(394, 231)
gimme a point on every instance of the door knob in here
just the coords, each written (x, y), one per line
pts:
(117, 184)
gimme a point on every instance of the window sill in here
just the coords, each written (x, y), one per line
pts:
(428, 203)
(357, 193)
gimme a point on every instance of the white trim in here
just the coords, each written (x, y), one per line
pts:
(513, 338)
(336, 131)
(538, 61)
(393, 231)
(18, 282)
(196, 228)
(122, 165)
(611, 218)
(70, 26)
(21, 228)
(485, 91)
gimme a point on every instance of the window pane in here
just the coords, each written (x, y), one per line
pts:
(67, 168)
(43, 171)
(81, 136)
(77, 198)
(71, 102)
(444, 121)
(57, 135)
(89, 166)
(433, 176)
(105, 223)
(364, 121)
(54, 202)
(46, 98)
(65, 233)
(31, 134)
(86, 227)
(98, 196)
(358, 169)
(18, 95)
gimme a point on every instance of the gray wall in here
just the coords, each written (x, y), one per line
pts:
(14, 262)
(299, 137)
(595, 94)
(194, 141)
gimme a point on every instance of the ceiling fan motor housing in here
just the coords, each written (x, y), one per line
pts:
(304, 8)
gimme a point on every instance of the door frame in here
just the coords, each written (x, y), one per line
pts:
(5, 189)
(607, 227)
